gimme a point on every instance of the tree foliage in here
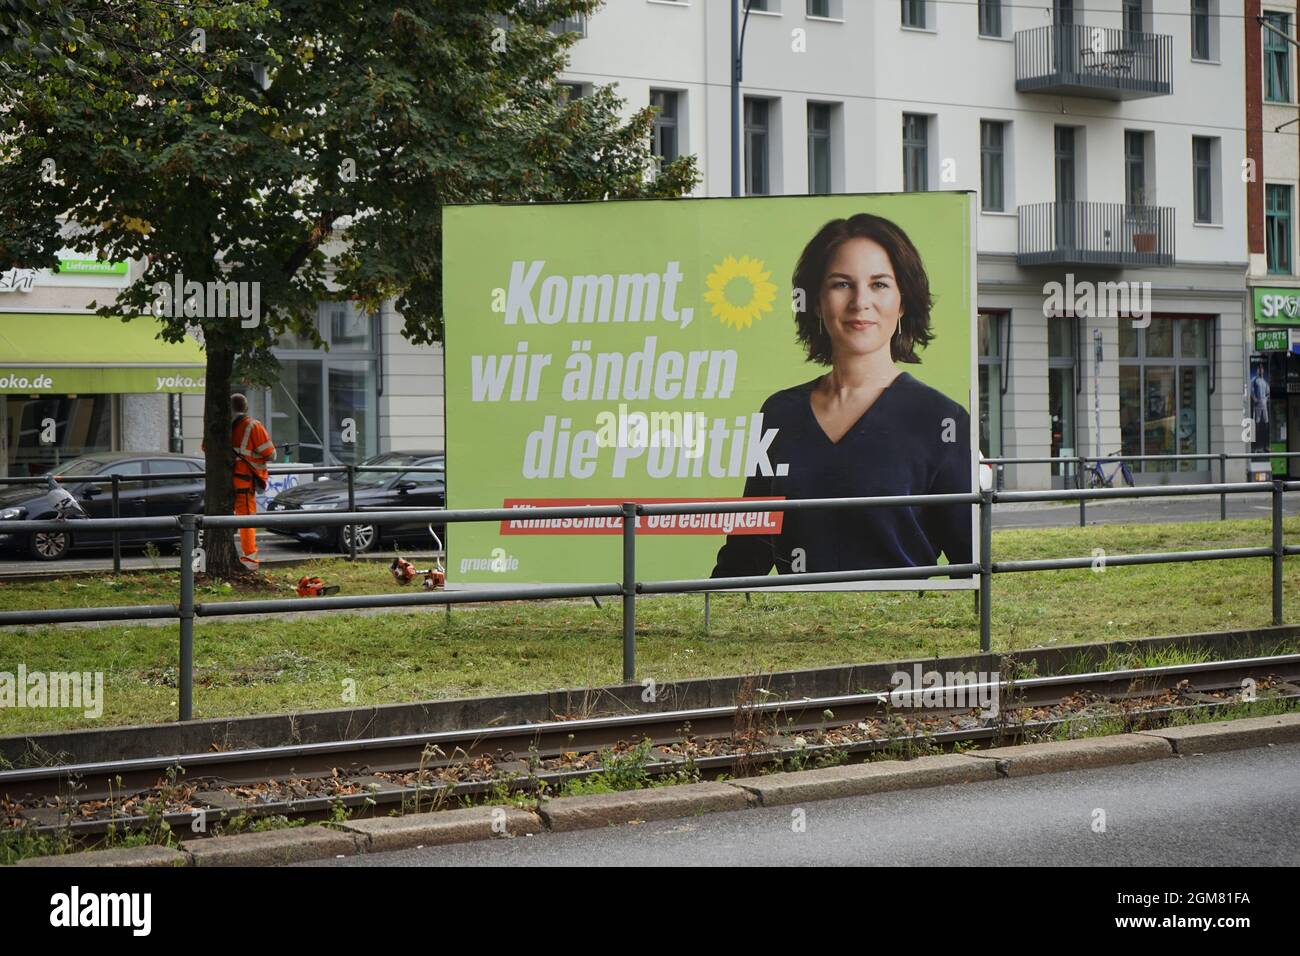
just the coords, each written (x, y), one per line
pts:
(307, 146)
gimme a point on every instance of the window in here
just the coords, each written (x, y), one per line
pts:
(1277, 59)
(1164, 391)
(766, 6)
(170, 466)
(819, 8)
(663, 140)
(426, 477)
(819, 148)
(1201, 30)
(349, 327)
(990, 18)
(992, 193)
(757, 164)
(991, 328)
(577, 23)
(915, 152)
(914, 14)
(83, 425)
(323, 407)
(1204, 149)
(1066, 157)
(1135, 168)
(1061, 401)
(1134, 16)
(1277, 229)
(126, 469)
(572, 91)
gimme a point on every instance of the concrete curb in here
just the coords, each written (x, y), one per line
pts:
(1230, 734)
(442, 827)
(566, 814)
(855, 780)
(273, 847)
(1054, 756)
(135, 856)
(627, 806)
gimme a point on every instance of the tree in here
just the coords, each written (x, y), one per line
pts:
(300, 128)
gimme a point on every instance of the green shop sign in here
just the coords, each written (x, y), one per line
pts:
(1271, 340)
(1276, 306)
(91, 267)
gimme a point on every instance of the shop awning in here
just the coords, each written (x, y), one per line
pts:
(50, 353)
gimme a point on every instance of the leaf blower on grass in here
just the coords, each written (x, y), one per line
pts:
(404, 572)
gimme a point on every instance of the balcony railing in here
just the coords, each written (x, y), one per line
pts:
(1095, 233)
(1099, 62)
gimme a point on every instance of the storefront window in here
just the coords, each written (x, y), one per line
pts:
(1060, 388)
(1164, 392)
(324, 407)
(353, 413)
(990, 374)
(296, 420)
(82, 425)
(348, 328)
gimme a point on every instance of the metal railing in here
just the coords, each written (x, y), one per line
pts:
(1079, 463)
(351, 472)
(186, 611)
(1097, 62)
(1095, 233)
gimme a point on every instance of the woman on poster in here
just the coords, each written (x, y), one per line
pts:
(866, 427)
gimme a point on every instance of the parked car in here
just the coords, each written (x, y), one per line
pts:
(88, 481)
(395, 489)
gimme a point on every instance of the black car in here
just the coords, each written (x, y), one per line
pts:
(87, 480)
(388, 489)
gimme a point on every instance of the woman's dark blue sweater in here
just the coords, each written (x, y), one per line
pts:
(897, 447)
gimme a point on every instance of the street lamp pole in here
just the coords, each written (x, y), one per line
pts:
(738, 26)
(735, 97)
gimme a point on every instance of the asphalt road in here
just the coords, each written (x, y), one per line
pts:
(1230, 809)
(278, 548)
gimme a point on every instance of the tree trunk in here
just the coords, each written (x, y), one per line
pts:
(219, 463)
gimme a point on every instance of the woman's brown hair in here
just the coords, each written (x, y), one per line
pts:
(913, 285)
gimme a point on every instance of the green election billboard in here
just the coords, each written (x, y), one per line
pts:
(711, 350)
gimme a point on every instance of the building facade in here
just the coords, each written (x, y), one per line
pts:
(1272, 173)
(73, 383)
(1104, 144)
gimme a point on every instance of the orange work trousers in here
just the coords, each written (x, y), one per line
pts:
(246, 504)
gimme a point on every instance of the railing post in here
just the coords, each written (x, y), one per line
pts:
(986, 571)
(352, 506)
(1277, 551)
(1223, 480)
(185, 679)
(1083, 502)
(117, 535)
(629, 592)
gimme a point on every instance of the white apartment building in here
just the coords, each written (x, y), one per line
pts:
(1105, 142)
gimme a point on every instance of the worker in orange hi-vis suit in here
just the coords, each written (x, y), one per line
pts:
(254, 450)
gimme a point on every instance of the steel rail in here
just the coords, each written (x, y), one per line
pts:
(404, 751)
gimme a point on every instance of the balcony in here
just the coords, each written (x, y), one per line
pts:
(1095, 234)
(1097, 62)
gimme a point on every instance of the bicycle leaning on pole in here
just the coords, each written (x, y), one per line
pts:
(1097, 477)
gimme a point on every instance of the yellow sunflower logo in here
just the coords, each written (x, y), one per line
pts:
(739, 291)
